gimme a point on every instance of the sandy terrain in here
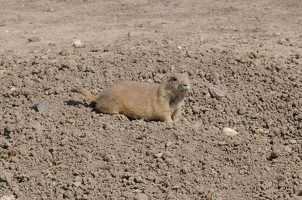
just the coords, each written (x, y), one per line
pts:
(244, 59)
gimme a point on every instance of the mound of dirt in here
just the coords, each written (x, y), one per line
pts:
(241, 132)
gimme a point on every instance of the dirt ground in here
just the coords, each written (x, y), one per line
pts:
(53, 145)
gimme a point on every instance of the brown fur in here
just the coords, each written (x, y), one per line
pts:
(136, 100)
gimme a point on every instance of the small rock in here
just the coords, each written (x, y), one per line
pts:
(215, 92)
(275, 154)
(299, 174)
(77, 183)
(77, 43)
(159, 155)
(184, 170)
(34, 39)
(169, 143)
(209, 195)
(13, 89)
(229, 131)
(50, 9)
(69, 121)
(41, 106)
(141, 136)
(168, 154)
(293, 141)
(200, 189)
(6, 177)
(287, 149)
(35, 125)
(141, 196)
(138, 179)
(105, 167)
(207, 95)
(262, 131)
(68, 194)
(2, 177)
(222, 143)
(116, 174)
(8, 197)
(150, 177)
(179, 47)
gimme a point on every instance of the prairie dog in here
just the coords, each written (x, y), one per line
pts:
(137, 100)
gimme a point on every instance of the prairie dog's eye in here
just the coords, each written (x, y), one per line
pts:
(173, 79)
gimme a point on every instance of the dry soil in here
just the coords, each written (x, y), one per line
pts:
(244, 59)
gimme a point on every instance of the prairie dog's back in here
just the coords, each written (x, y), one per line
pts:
(129, 98)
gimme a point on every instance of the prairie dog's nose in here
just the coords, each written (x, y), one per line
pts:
(185, 86)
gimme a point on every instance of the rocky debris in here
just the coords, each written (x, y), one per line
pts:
(141, 196)
(77, 43)
(34, 39)
(6, 177)
(262, 131)
(158, 155)
(229, 132)
(216, 92)
(288, 149)
(276, 153)
(299, 174)
(293, 141)
(41, 106)
(169, 143)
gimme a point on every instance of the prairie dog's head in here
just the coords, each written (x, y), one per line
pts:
(178, 84)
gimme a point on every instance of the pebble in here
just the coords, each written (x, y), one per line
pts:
(215, 92)
(293, 141)
(209, 195)
(229, 131)
(41, 106)
(105, 167)
(6, 177)
(8, 197)
(50, 9)
(138, 179)
(150, 177)
(141, 196)
(168, 154)
(77, 183)
(159, 155)
(13, 89)
(299, 174)
(69, 121)
(262, 131)
(287, 149)
(275, 154)
(141, 136)
(77, 43)
(34, 39)
(222, 143)
(169, 143)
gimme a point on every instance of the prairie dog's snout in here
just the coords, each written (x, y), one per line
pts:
(184, 87)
